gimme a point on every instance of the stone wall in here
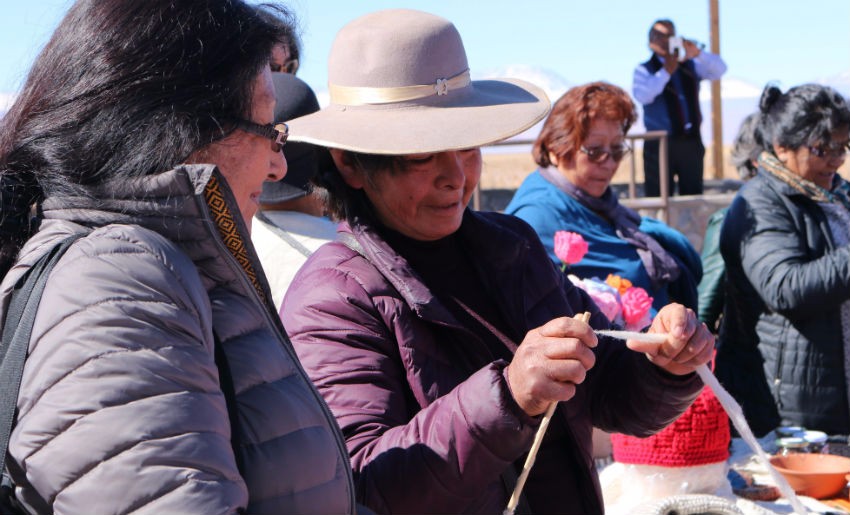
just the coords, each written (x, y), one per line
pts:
(689, 214)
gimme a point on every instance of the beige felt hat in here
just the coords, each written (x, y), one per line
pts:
(399, 83)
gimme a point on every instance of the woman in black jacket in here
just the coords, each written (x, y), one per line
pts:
(786, 244)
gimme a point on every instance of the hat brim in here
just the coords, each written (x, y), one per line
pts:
(489, 111)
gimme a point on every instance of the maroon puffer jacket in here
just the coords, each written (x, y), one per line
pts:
(425, 437)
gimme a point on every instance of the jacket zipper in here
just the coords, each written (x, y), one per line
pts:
(255, 297)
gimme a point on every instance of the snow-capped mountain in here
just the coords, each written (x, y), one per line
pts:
(550, 81)
(730, 87)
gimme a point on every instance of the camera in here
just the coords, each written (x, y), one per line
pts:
(677, 43)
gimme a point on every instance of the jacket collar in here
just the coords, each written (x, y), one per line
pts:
(190, 205)
(499, 254)
(778, 185)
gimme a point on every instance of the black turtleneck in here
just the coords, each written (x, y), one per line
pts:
(448, 271)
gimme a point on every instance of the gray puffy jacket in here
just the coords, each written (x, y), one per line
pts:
(120, 408)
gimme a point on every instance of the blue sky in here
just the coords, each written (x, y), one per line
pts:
(787, 41)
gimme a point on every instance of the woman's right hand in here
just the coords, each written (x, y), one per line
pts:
(550, 362)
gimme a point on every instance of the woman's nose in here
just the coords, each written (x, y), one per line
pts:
(451, 168)
(610, 163)
(277, 167)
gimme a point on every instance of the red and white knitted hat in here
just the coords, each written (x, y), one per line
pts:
(699, 437)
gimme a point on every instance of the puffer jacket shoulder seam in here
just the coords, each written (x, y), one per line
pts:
(141, 247)
(101, 302)
(90, 360)
(348, 268)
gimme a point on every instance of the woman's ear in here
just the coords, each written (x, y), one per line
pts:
(782, 153)
(561, 162)
(351, 175)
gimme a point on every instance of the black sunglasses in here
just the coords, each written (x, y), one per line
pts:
(290, 66)
(600, 154)
(830, 151)
(278, 133)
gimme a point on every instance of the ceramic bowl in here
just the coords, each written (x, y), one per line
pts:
(816, 475)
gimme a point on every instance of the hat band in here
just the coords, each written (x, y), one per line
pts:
(353, 96)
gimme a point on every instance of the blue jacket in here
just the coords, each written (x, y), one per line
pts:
(548, 209)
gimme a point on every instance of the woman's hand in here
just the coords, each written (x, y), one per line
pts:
(689, 342)
(550, 362)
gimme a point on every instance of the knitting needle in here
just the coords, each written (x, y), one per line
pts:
(535, 446)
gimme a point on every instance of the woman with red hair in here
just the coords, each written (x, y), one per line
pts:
(578, 151)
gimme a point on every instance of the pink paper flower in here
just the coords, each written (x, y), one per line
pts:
(570, 247)
(636, 306)
(608, 304)
(604, 296)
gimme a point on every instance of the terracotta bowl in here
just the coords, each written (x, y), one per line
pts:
(816, 475)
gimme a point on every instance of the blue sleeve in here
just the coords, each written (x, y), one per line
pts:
(684, 289)
(675, 243)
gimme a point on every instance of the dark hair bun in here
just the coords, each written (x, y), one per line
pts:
(769, 97)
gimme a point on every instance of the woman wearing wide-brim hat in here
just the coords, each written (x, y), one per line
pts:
(438, 335)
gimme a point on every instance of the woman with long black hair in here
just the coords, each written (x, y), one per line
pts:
(159, 378)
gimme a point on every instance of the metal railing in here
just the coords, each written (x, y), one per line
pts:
(661, 203)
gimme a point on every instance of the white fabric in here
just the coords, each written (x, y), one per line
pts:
(646, 86)
(626, 486)
(281, 260)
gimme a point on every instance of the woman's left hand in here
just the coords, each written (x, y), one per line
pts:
(689, 342)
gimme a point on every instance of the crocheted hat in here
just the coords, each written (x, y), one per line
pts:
(699, 437)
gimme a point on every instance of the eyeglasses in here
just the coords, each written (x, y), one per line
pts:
(290, 66)
(598, 155)
(277, 133)
(830, 151)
